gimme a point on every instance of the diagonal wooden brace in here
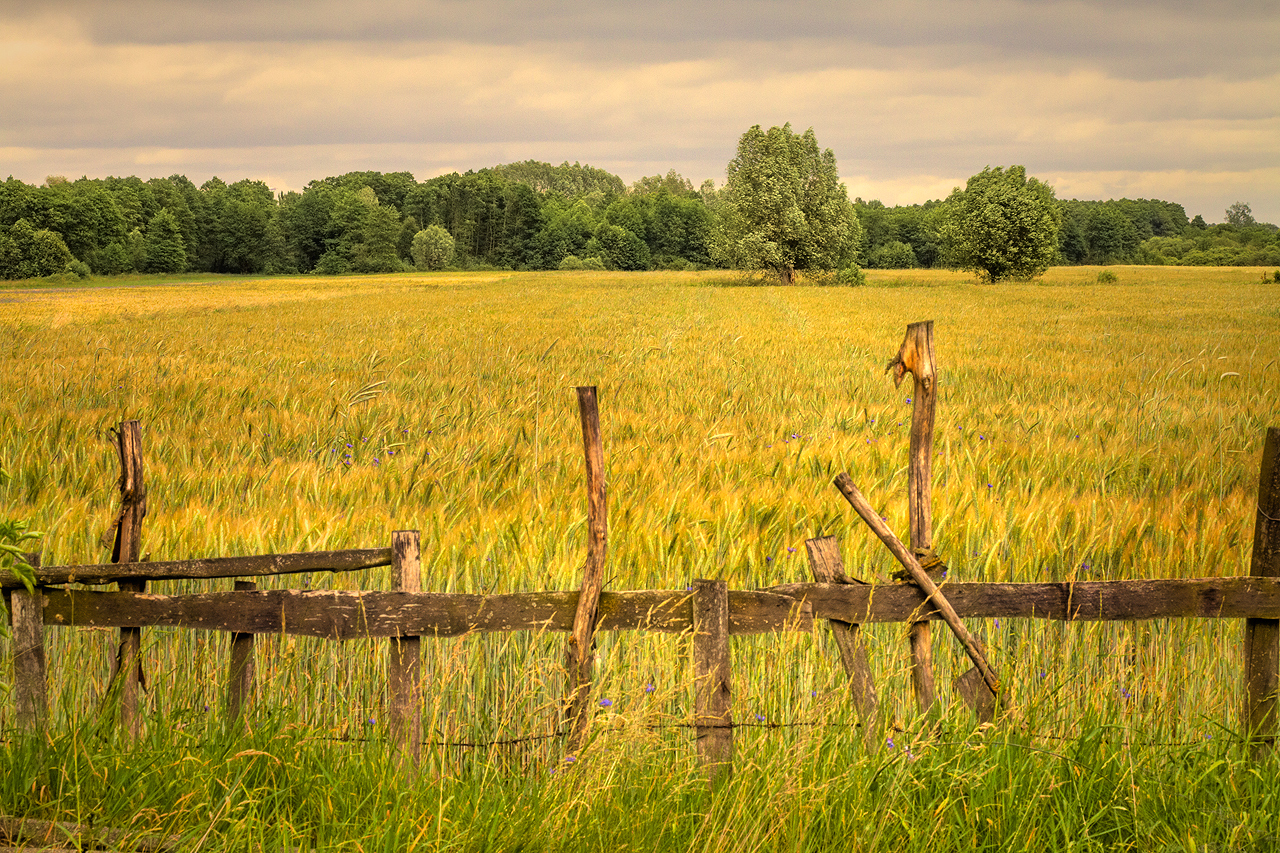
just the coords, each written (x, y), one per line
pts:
(900, 552)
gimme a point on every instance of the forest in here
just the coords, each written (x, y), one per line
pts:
(527, 215)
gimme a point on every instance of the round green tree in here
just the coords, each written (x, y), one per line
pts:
(1002, 225)
(783, 207)
(432, 248)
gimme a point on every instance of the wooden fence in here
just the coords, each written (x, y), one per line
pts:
(710, 611)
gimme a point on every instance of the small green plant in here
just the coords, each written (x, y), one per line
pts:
(1276, 276)
(12, 534)
(79, 269)
(1107, 277)
(851, 276)
(571, 262)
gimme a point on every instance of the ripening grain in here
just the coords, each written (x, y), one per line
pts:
(1083, 431)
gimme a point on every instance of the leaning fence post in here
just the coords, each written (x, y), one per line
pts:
(241, 672)
(580, 654)
(712, 686)
(128, 549)
(404, 668)
(827, 567)
(30, 677)
(1261, 636)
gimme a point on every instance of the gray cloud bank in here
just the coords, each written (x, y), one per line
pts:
(1175, 100)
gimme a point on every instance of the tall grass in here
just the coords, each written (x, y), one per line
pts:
(1083, 432)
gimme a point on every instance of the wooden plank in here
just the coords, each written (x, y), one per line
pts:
(916, 356)
(352, 614)
(40, 835)
(213, 567)
(828, 567)
(1262, 636)
(404, 667)
(127, 673)
(344, 615)
(580, 654)
(30, 673)
(1085, 601)
(241, 672)
(972, 647)
(712, 681)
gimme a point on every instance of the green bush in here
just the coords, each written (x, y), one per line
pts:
(571, 262)
(593, 263)
(851, 276)
(1107, 277)
(79, 269)
(432, 248)
(332, 263)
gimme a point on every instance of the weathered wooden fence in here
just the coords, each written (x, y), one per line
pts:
(710, 611)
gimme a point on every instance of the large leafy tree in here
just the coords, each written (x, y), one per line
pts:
(1002, 225)
(784, 208)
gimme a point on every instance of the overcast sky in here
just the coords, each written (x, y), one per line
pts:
(1168, 99)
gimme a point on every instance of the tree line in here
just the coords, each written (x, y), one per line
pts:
(539, 216)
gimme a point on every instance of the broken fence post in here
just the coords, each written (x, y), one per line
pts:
(580, 654)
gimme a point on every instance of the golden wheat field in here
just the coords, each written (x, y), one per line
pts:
(1083, 431)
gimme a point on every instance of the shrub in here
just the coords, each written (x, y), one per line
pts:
(432, 248)
(852, 276)
(79, 269)
(571, 262)
(332, 263)
(1107, 277)
(592, 263)
(894, 255)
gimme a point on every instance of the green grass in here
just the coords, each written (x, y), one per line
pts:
(1084, 431)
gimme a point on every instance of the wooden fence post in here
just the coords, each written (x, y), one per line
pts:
(30, 676)
(712, 685)
(915, 356)
(1261, 649)
(827, 567)
(580, 655)
(241, 673)
(404, 668)
(128, 549)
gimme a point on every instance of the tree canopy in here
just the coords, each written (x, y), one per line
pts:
(784, 208)
(534, 215)
(1002, 225)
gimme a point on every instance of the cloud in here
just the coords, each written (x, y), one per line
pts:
(911, 97)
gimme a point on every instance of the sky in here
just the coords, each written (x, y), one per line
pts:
(1169, 99)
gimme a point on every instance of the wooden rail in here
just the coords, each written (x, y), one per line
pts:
(348, 615)
(209, 568)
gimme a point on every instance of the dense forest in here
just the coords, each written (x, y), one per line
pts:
(527, 215)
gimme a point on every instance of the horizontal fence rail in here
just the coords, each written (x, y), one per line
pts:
(211, 567)
(347, 615)
(1070, 601)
